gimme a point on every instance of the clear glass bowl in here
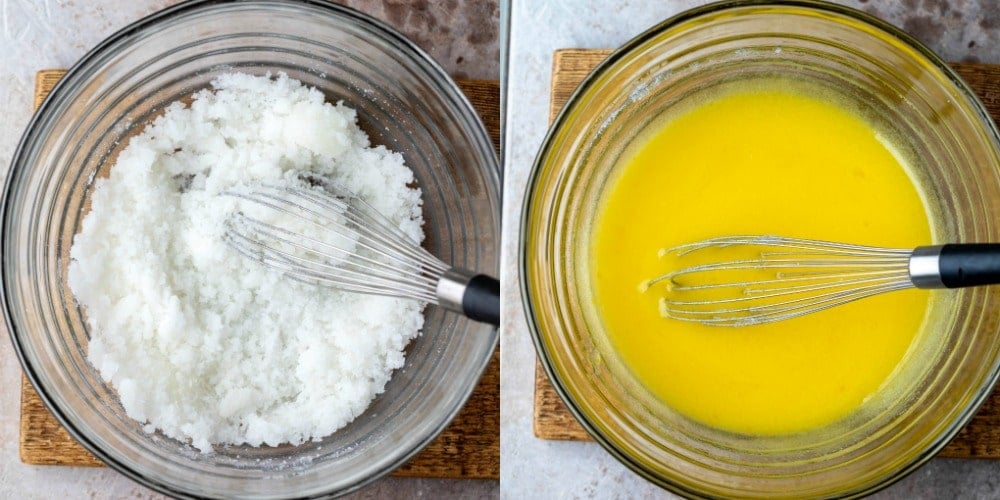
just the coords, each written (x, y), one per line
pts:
(404, 100)
(942, 129)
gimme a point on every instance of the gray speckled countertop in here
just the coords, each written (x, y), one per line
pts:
(958, 30)
(462, 35)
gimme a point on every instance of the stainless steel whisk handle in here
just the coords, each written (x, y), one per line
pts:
(955, 265)
(477, 296)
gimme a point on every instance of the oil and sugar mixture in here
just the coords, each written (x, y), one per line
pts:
(765, 158)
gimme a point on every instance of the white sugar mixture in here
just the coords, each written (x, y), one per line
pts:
(200, 342)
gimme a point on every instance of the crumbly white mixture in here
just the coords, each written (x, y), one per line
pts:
(200, 342)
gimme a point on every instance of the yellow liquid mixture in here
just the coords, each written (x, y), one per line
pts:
(775, 160)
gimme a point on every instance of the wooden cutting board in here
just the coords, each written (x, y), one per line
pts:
(979, 439)
(468, 448)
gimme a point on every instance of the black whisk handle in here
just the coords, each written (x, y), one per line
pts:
(969, 264)
(477, 296)
(481, 301)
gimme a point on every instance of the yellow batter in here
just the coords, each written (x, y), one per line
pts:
(772, 159)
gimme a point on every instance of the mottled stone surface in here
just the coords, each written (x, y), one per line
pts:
(42, 34)
(958, 30)
(462, 36)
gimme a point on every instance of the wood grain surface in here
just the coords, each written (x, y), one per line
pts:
(979, 439)
(468, 448)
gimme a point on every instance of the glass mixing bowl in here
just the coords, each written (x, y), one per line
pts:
(943, 131)
(404, 100)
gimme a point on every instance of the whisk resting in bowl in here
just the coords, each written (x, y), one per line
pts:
(776, 278)
(329, 236)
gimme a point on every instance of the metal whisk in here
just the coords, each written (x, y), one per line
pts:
(326, 235)
(781, 278)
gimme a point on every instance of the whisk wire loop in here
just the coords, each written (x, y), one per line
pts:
(757, 291)
(369, 222)
(342, 242)
(780, 311)
(819, 246)
(786, 278)
(363, 273)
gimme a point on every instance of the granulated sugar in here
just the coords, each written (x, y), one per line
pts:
(200, 342)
